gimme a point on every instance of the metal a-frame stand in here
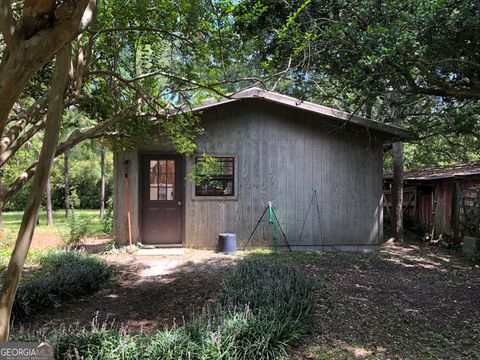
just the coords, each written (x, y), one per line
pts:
(273, 220)
(314, 203)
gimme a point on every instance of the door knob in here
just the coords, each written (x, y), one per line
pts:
(179, 203)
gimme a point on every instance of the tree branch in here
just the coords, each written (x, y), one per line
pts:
(172, 34)
(40, 47)
(206, 86)
(17, 143)
(453, 61)
(443, 91)
(8, 25)
(74, 139)
(459, 94)
(19, 123)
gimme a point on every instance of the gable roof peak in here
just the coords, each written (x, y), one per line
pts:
(392, 131)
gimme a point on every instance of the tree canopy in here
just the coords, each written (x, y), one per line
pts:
(72, 71)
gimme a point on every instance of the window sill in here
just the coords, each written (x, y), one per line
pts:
(214, 198)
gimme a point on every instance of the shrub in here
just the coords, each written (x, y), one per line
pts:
(7, 242)
(77, 229)
(62, 275)
(111, 248)
(476, 258)
(170, 344)
(269, 286)
(107, 223)
(264, 307)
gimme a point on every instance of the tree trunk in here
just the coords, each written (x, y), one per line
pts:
(398, 175)
(397, 191)
(1, 202)
(27, 227)
(66, 180)
(25, 57)
(14, 75)
(102, 182)
(48, 194)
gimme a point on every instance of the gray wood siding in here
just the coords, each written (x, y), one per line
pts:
(281, 155)
(120, 227)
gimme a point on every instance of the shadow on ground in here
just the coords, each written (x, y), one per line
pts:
(148, 292)
(409, 301)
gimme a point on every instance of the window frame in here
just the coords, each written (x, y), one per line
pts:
(166, 187)
(233, 197)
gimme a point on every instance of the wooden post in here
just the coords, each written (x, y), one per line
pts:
(127, 203)
(434, 208)
(456, 197)
(102, 182)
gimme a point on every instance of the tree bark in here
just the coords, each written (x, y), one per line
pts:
(25, 57)
(27, 227)
(13, 139)
(102, 182)
(66, 180)
(48, 195)
(14, 75)
(1, 201)
(398, 173)
(397, 191)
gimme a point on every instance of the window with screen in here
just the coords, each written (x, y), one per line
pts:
(219, 181)
(162, 180)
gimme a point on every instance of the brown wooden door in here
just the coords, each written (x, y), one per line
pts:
(162, 199)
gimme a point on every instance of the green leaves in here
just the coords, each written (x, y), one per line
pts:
(205, 168)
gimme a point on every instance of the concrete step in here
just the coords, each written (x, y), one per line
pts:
(161, 251)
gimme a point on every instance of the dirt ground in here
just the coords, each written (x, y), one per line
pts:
(412, 301)
(149, 292)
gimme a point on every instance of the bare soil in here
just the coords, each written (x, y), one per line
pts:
(412, 301)
(148, 292)
(45, 240)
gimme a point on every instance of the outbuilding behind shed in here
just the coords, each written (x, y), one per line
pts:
(434, 198)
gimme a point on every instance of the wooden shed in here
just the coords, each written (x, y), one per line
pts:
(273, 148)
(433, 198)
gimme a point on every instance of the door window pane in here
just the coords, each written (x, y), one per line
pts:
(162, 180)
(154, 170)
(153, 193)
(170, 193)
(163, 166)
(162, 193)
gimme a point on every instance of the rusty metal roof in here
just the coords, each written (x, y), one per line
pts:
(441, 172)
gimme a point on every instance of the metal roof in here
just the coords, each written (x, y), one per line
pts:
(442, 172)
(257, 93)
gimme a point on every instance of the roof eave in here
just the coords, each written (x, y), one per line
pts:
(394, 132)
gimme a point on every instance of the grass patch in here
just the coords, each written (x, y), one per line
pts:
(13, 219)
(7, 242)
(265, 307)
(62, 275)
(87, 223)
